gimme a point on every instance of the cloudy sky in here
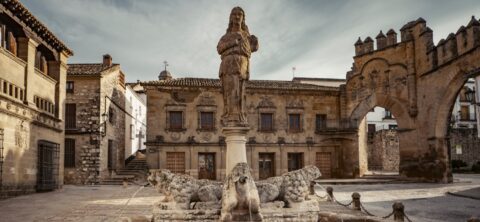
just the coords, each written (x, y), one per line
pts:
(316, 37)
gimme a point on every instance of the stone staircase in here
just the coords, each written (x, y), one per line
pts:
(135, 172)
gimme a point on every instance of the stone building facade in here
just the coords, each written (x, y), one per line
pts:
(383, 151)
(291, 125)
(465, 145)
(32, 93)
(95, 121)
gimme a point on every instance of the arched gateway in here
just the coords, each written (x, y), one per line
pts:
(418, 82)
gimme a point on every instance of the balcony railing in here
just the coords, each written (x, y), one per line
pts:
(330, 125)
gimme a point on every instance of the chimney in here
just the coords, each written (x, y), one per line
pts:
(381, 40)
(107, 60)
(368, 45)
(391, 37)
(359, 47)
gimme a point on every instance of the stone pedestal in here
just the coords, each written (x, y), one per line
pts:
(240, 200)
(235, 138)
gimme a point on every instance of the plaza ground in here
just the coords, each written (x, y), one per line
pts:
(423, 202)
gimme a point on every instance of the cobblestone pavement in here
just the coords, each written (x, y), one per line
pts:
(80, 203)
(423, 202)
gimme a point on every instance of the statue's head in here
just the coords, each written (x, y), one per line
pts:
(237, 18)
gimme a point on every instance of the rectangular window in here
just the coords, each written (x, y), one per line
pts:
(111, 115)
(21, 94)
(388, 114)
(464, 113)
(16, 93)
(294, 123)
(132, 132)
(207, 120)
(111, 155)
(320, 122)
(392, 126)
(176, 120)
(70, 86)
(10, 89)
(266, 122)
(70, 116)
(5, 87)
(69, 152)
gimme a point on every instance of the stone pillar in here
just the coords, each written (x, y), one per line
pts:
(26, 51)
(235, 137)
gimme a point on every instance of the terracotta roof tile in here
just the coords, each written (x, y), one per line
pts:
(87, 69)
(252, 84)
(20, 11)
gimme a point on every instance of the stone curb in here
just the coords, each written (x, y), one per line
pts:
(462, 195)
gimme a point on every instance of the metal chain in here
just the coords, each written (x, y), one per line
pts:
(389, 215)
(406, 217)
(345, 205)
(366, 211)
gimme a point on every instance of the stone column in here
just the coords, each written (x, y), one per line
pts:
(235, 137)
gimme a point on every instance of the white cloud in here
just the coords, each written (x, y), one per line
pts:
(314, 36)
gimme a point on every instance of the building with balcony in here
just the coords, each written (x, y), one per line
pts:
(94, 121)
(292, 124)
(32, 94)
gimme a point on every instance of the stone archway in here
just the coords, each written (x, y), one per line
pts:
(418, 81)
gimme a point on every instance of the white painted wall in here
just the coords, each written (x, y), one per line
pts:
(377, 117)
(135, 125)
(458, 122)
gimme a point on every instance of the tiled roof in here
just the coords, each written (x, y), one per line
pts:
(87, 69)
(252, 84)
(20, 11)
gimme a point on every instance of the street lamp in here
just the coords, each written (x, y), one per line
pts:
(470, 96)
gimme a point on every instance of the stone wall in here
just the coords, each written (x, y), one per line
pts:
(465, 145)
(86, 96)
(96, 97)
(383, 151)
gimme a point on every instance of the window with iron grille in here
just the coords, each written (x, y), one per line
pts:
(70, 116)
(266, 122)
(69, 159)
(111, 154)
(176, 120)
(320, 122)
(294, 122)
(70, 86)
(207, 120)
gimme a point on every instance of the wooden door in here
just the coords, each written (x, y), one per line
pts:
(266, 165)
(206, 166)
(176, 162)
(324, 163)
(295, 161)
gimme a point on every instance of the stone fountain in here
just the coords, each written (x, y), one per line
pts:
(239, 197)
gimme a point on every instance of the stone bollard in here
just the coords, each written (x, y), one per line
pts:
(330, 193)
(356, 201)
(398, 211)
(312, 187)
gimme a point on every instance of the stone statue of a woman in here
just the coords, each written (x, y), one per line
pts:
(235, 48)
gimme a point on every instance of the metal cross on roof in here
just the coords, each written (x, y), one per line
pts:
(166, 64)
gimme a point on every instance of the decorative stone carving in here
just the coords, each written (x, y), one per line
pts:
(240, 201)
(293, 186)
(183, 189)
(266, 102)
(235, 48)
(206, 99)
